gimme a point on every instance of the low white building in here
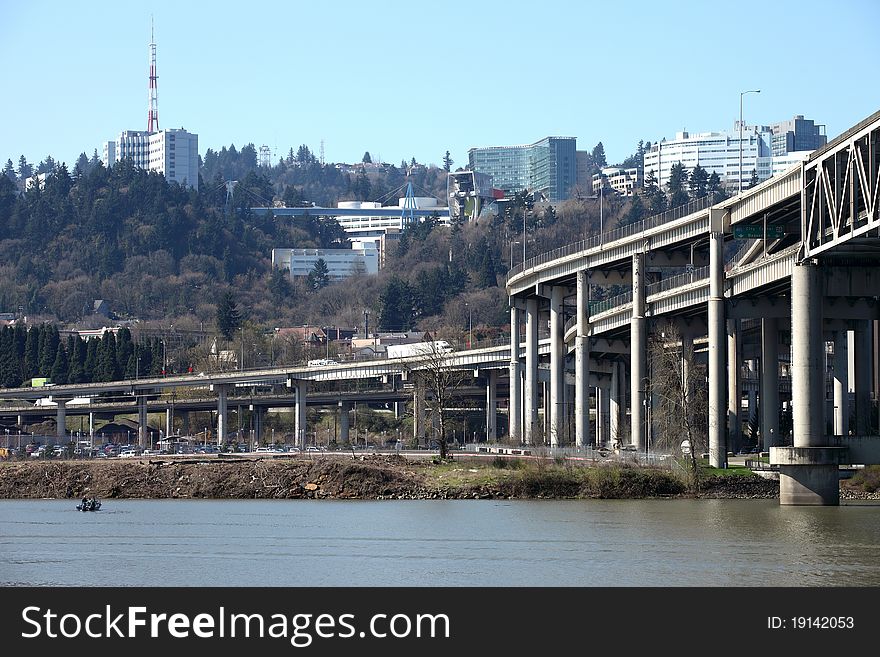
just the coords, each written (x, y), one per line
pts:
(341, 263)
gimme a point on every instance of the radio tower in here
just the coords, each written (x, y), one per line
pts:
(153, 116)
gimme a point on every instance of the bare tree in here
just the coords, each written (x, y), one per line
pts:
(679, 393)
(432, 364)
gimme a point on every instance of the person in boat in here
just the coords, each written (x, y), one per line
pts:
(84, 504)
(93, 504)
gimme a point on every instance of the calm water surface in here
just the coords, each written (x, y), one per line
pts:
(438, 543)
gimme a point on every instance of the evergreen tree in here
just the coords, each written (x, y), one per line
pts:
(366, 158)
(653, 194)
(48, 348)
(76, 352)
(228, 315)
(91, 362)
(636, 211)
(10, 368)
(60, 366)
(32, 353)
(676, 185)
(397, 306)
(279, 285)
(713, 187)
(319, 276)
(598, 155)
(753, 180)
(25, 170)
(106, 365)
(447, 162)
(9, 170)
(698, 182)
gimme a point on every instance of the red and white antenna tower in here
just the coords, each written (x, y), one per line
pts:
(153, 116)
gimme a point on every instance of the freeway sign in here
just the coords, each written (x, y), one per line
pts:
(756, 231)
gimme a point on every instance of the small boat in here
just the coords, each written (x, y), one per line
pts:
(88, 505)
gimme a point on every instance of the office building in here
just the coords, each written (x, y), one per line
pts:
(766, 150)
(547, 168)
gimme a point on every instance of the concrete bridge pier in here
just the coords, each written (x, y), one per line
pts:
(638, 354)
(259, 413)
(184, 422)
(530, 389)
(603, 410)
(491, 406)
(752, 401)
(222, 391)
(61, 419)
(808, 471)
(862, 375)
(770, 383)
(717, 343)
(344, 408)
(841, 383)
(515, 400)
(734, 384)
(582, 363)
(169, 421)
(299, 421)
(615, 404)
(557, 367)
(143, 429)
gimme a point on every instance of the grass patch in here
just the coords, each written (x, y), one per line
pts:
(868, 479)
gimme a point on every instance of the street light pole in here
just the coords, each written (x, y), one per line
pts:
(741, 94)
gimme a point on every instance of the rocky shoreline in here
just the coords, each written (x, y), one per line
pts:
(363, 477)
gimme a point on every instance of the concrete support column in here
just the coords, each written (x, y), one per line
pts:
(222, 410)
(530, 402)
(557, 367)
(61, 420)
(752, 400)
(259, 414)
(419, 426)
(638, 354)
(184, 422)
(399, 410)
(734, 384)
(770, 383)
(143, 429)
(582, 363)
(717, 343)
(169, 421)
(808, 471)
(302, 388)
(515, 401)
(862, 376)
(615, 404)
(603, 410)
(344, 408)
(841, 383)
(492, 406)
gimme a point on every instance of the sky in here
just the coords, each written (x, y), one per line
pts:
(417, 79)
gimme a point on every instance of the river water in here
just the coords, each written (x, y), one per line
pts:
(438, 543)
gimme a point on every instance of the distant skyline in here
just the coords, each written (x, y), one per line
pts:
(412, 79)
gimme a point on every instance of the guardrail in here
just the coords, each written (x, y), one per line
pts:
(613, 235)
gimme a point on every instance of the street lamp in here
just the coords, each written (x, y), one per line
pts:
(741, 94)
(470, 324)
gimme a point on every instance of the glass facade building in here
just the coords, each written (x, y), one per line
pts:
(546, 168)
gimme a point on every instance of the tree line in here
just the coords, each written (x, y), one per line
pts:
(41, 352)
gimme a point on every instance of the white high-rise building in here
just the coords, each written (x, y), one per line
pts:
(172, 152)
(766, 150)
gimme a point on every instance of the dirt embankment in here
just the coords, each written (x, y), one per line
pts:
(364, 477)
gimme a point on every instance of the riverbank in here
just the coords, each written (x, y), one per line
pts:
(367, 477)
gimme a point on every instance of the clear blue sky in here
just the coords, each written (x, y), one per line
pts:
(414, 79)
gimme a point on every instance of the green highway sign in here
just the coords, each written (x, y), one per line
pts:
(757, 231)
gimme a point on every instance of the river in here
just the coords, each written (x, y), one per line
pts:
(439, 543)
